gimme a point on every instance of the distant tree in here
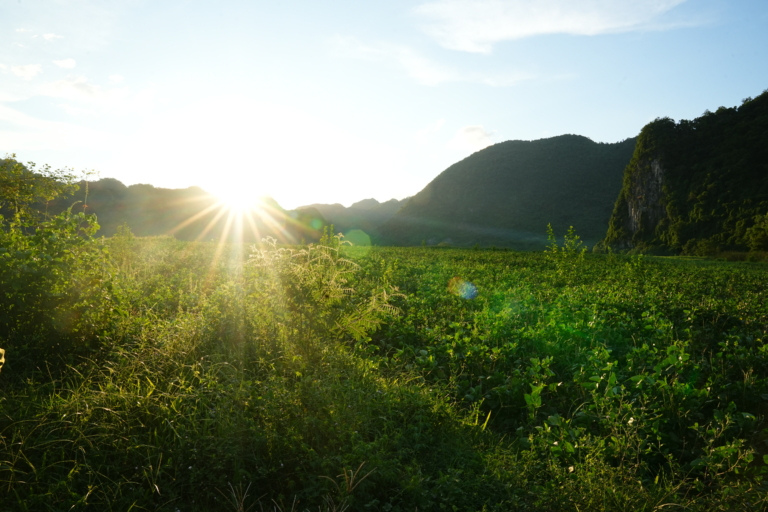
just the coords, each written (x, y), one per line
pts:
(757, 235)
(22, 186)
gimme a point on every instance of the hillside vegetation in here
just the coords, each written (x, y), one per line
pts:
(364, 216)
(697, 187)
(507, 193)
(187, 214)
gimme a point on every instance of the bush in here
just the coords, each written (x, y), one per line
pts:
(55, 291)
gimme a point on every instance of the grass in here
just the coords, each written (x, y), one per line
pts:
(353, 379)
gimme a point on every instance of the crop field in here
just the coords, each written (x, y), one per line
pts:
(154, 374)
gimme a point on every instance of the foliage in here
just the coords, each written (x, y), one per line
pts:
(757, 235)
(310, 290)
(23, 186)
(233, 382)
(713, 190)
(55, 295)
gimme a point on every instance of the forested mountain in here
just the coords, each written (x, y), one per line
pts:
(507, 193)
(697, 187)
(187, 214)
(366, 215)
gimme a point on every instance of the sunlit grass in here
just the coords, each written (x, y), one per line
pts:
(225, 385)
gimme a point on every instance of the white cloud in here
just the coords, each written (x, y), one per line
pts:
(418, 67)
(76, 88)
(476, 25)
(8, 97)
(472, 138)
(51, 37)
(116, 79)
(23, 30)
(3, 67)
(69, 109)
(27, 72)
(93, 97)
(65, 63)
(22, 132)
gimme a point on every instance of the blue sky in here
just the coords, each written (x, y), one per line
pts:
(338, 101)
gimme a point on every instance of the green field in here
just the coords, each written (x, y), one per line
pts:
(154, 374)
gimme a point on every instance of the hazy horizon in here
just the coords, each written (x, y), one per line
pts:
(338, 102)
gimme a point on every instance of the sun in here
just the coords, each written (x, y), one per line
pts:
(238, 198)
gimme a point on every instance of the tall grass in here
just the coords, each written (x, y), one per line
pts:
(336, 378)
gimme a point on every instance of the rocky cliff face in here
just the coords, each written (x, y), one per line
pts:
(645, 205)
(643, 201)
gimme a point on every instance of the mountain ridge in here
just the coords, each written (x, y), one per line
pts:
(506, 195)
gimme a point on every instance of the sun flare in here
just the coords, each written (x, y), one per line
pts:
(238, 198)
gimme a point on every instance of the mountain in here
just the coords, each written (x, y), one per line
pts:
(187, 214)
(507, 193)
(697, 187)
(366, 215)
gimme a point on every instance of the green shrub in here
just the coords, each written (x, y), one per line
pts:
(55, 289)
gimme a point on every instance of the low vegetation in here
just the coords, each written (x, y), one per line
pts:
(156, 374)
(219, 381)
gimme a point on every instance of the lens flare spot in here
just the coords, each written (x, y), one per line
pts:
(462, 288)
(358, 238)
(360, 243)
(316, 224)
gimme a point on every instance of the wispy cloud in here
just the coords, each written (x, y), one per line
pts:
(476, 25)
(65, 63)
(27, 72)
(92, 98)
(116, 79)
(75, 88)
(51, 37)
(472, 138)
(69, 109)
(23, 30)
(24, 132)
(9, 97)
(421, 69)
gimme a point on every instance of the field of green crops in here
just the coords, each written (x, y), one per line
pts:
(153, 374)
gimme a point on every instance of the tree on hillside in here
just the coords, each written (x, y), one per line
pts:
(22, 186)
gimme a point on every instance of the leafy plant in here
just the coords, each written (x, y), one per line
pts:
(24, 186)
(311, 290)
